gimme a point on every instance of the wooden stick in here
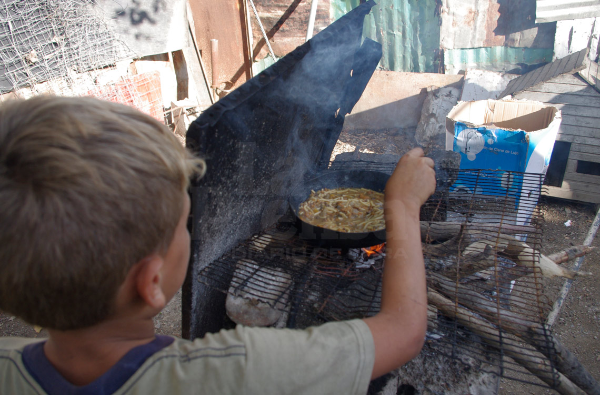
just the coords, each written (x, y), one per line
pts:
(529, 358)
(570, 253)
(533, 333)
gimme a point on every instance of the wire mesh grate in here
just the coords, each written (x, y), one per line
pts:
(53, 40)
(481, 234)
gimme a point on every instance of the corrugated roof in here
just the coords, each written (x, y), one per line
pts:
(492, 23)
(569, 64)
(408, 30)
(558, 10)
(504, 59)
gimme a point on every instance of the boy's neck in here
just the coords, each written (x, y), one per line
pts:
(81, 356)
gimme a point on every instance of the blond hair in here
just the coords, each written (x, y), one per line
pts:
(87, 189)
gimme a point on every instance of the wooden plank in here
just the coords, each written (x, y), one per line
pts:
(592, 181)
(566, 193)
(585, 148)
(583, 111)
(181, 75)
(571, 166)
(571, 79)
(581, 121)
(585, 156)
(560, 69)
(533, 76)
(565, 98)
(576, 61)
(581, 186)
(517, 84)
(549, 87)
(591, 74)
(579, 131)
(591, 141)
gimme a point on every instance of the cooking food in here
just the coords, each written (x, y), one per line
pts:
(349, 210)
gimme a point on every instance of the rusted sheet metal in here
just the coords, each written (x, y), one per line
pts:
(492, 23)
(559, 10)
(223, 20)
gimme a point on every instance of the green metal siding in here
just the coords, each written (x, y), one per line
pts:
(408, 30)
(502, 59)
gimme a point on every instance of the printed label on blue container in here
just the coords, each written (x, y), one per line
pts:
(490, 149)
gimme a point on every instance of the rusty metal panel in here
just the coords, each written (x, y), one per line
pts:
(493, 23)
(224, 20)
(559, 10)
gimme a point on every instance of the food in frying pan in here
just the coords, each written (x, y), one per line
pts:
(348, 210)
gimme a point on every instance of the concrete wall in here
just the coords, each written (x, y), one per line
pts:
(395, 99)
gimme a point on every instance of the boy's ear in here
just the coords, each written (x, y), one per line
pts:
(149, 281)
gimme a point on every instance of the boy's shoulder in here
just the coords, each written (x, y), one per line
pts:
(14, 377)
(241, 360)
(11, 344)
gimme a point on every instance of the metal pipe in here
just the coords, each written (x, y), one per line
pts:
(311, 19)
(262, 29)
(567, 286)
(214, 53)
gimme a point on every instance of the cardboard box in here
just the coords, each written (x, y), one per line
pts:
(511, 135)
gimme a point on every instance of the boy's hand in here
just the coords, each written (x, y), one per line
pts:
(413, 180)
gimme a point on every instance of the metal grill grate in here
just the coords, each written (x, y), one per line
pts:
(481, 242)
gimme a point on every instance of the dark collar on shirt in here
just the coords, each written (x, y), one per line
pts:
(53, 382)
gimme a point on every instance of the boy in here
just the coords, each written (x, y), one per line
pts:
(93, 244)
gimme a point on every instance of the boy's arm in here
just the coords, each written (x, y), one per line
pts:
(399, 328)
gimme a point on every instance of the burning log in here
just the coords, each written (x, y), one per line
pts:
(534, 334)
(529, 358)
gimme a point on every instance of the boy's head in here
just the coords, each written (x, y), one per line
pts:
(87, 189)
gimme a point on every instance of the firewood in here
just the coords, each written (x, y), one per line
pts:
(535, 334)
(521, 253)
(525, 256)
(529, 358)
(570, 253)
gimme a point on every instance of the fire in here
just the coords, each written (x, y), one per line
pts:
(374, 250)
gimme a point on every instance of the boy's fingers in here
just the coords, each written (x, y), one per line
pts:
(416, 152)
(429, 162)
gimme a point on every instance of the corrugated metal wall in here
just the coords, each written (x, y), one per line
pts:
(501, 59)
(408, 30)
(559, 10)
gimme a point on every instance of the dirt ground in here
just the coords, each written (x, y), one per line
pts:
(577, 326)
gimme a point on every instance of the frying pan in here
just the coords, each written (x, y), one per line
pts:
(338, 179)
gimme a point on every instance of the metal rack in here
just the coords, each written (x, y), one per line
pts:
(482, 232)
